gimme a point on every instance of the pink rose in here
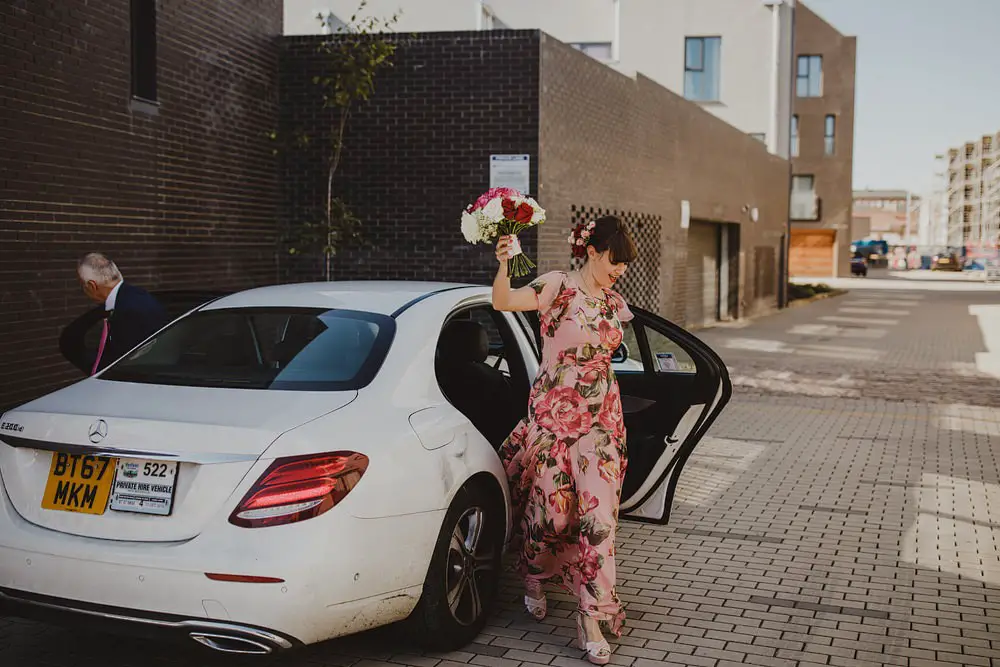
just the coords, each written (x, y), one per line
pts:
(611, 413)
(590, 560)
(564, 412)
(594, 369)
(560, 452)
(492, 194)
(567, 358)
(611, 336)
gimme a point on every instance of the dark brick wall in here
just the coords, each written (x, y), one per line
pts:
(417, 153)
(631, 145)
(834, 173)
(186, 197)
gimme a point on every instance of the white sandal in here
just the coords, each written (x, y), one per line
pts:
(598, 653)
(536, 604)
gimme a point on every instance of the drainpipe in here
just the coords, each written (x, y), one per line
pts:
(772, 130)
(616, 36)
(786, 250)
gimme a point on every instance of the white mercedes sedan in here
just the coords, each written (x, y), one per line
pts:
(290, 464)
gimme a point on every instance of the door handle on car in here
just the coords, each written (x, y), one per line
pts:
(671, 440)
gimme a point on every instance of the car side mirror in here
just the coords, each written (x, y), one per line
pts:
(621, 354)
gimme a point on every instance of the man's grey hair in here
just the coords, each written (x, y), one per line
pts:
(95, 266)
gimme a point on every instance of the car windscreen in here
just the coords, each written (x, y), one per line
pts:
(306, 349)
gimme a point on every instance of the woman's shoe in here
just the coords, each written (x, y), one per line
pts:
(599, 652)
(534, 600)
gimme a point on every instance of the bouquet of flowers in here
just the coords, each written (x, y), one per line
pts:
(503, 212)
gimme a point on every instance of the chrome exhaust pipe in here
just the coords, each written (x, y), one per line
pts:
(232, 644)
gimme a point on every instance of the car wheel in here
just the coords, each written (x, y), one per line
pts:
(463, 578)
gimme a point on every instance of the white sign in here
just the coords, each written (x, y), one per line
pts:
(685, 214)
(146, 487)
(511, 171)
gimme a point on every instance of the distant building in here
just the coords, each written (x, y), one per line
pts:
(886, 215)
(973, 193)
(822, 148)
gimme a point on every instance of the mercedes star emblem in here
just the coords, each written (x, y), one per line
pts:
(98, 431)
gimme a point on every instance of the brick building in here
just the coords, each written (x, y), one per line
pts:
(822, 148)
(137, 129)
(598, 141)
(140, 129)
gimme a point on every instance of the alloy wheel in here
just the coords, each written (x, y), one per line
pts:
(470, 565)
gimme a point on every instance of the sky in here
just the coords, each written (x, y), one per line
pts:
(928, 78)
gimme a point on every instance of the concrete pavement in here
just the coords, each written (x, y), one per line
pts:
(844, 511)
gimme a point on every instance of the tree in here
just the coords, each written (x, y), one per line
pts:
(353, 54)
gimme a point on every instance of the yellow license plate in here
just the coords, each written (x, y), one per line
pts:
(79, 483)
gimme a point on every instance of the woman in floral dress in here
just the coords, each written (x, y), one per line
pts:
(566, 460)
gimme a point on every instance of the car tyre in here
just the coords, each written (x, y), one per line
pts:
(463, 578)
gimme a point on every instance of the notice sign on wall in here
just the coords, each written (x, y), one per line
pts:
(511, 171)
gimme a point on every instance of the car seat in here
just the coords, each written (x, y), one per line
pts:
(478, 391)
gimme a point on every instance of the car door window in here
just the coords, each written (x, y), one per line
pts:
(668, 356)
(664, 355)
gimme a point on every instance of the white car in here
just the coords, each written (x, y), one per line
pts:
(290, 464)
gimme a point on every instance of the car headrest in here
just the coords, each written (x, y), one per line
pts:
(464, 341)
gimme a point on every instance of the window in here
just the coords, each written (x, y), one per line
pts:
(143, 31)
(830, 135)
(308, 349)
(804, 204)
(701, 68)
(667, 356)
(759, 136)
(809, 80)
(596, 50)
(795, 136)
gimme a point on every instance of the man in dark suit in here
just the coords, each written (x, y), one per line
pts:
(128, 315)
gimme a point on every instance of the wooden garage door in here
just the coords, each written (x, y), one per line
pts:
(702, 274)
(811, 253)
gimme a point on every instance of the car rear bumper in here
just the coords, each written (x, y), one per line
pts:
(336, 577)
(221, 636)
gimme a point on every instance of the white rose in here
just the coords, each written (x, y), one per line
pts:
(539, 213)
(470, 228)
(494, 210)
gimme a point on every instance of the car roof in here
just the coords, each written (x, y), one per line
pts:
(375, 296)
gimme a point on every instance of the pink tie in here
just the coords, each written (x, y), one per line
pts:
(100, 348)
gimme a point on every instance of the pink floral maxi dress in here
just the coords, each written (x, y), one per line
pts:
(566, 460)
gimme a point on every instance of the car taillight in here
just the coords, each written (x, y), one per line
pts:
(299, 488)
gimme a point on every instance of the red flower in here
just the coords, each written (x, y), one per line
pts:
(611, 336)
(594, 369)
(590, 560)
(564, 412)
(518, 213)
(566, 358)
(562, 500)
(611, 413)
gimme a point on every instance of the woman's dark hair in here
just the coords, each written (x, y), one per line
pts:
(611, 234)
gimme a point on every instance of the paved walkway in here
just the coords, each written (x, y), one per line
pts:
(844, 511)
